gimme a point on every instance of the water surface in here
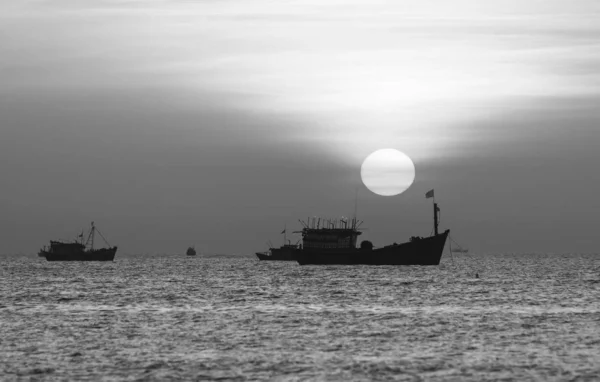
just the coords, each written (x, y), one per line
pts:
(527, 317)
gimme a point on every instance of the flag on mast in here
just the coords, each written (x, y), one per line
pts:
(283, 231)
(429, 194)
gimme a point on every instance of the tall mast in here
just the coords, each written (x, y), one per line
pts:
(435, 218)
(431, 194)
(355, 208)
(92, 236)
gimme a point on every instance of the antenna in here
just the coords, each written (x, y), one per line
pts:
(92, 236)
(355, 207)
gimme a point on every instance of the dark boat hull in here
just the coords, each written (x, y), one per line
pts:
(424, 251)
(105, 254)
(278, 254)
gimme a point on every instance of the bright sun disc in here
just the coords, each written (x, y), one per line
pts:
(387, 172)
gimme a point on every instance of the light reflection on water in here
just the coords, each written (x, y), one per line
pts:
(527, 317)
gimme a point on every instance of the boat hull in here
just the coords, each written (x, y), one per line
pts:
(105, 254)
(423, 251)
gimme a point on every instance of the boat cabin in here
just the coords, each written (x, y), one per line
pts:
(60, 247)
(329, 238)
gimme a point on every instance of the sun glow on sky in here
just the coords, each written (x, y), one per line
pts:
(357, 76)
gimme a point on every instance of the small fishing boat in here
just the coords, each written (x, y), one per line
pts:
(284, 253)
(78, 250)
(191, 251)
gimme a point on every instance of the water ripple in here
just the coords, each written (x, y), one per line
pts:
(527, 317)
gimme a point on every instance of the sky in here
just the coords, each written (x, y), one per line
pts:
(217, 123)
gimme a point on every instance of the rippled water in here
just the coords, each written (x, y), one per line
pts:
(527, 317)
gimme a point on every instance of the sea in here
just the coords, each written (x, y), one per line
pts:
(475, 317)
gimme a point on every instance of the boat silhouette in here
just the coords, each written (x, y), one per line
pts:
(78, 250)
(336, 244)
(284, 253)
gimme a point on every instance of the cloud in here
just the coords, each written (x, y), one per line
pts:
(353, 75)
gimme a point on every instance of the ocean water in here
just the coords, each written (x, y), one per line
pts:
(526, 317)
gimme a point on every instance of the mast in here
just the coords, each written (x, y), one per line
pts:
(431, 194)
(92, 231)
(91, 237)
(435, 217)
(355, 208)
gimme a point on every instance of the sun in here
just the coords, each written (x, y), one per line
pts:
(387, 172)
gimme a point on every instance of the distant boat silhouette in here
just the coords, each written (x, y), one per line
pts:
(284, 253)
(191, 251)
(78, 250)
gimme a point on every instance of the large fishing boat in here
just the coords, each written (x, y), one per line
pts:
(335, 243)
(78, 250)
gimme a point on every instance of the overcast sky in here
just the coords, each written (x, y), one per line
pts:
(215, 123)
